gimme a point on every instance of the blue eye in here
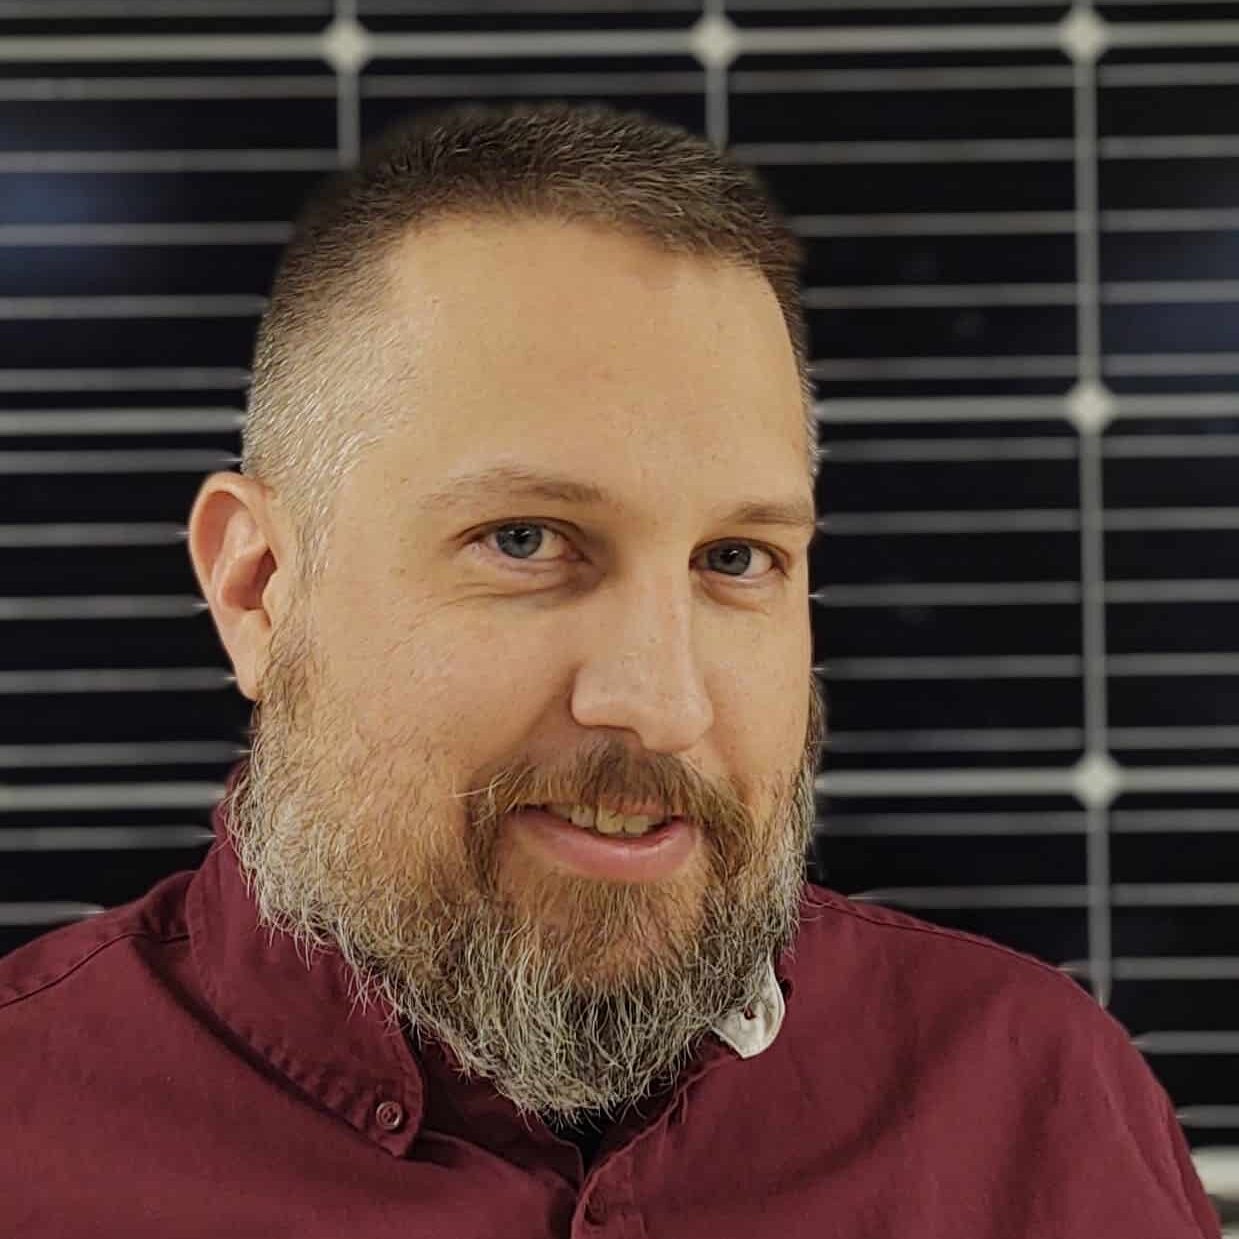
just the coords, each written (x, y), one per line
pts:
(521, 540)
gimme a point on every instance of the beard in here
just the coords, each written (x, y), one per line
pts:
(570, 995)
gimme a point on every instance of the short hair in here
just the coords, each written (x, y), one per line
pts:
(315, 398)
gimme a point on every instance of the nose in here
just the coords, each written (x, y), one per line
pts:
(641, 671)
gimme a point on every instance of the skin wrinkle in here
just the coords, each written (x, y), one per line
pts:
(408, 700)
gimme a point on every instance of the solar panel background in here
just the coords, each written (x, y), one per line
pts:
(1023, 234)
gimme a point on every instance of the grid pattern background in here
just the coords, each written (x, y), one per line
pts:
(1022, 223)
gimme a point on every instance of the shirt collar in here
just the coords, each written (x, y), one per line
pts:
(300, 1017)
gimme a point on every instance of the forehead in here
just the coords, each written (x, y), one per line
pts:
(573, 344)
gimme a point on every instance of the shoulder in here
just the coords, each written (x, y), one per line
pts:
(919, 969)
(90, 952)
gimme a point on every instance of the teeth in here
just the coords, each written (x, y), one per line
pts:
(603, 820)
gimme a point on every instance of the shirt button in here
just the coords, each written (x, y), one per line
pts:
(389, 1115)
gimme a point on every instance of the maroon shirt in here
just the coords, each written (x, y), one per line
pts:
(171, 1071)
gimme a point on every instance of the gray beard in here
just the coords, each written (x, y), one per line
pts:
(514, 995)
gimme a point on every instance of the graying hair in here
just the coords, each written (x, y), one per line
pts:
(316, 395)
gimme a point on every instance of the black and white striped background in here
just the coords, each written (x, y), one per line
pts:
(1023, 286)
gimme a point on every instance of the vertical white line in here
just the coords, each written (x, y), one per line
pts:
(1088, 265)
(716, 105)
(715, 42)
(1092, 562)
(348, 117)
(345, 49)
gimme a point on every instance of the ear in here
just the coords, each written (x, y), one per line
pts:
(238, 549)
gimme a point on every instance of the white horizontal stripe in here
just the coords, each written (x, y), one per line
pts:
(1171, 74)
(1172, 664)
(1030, 782)
(949, 150)
(1174, 894)
(149, 533)
(46, 912)
(1022, 593)
(187, 420)
(1168, 894)
(159, 47)
(257, 233)
(1206, 445)
(944, 739)
(1187, 1042)
(1014, 520)
(1170, 146)
(1170, 219)
(101, 838)
(934, 667)
(1013, 821)
(1170, 821)
(976, 223)
(937, 296)
(1181, 404)
(1170, 34)
(836, 39)
(454, 8)
(1212, 736)
(115, 680)
(380, 85)
(1064, 365)
(55, 798)
(159, 8)
(951, 77)
(224, 305)
(1064, 896)
(1172, 591)
(1043, 448)
(135, 378)
(1171, 363)
(1121, 520)
(71, 89)
(947, 37)
(932, 296)
(1208, 1116)
(924, 224)
(1175, 968)
(160, 460)
(102, 606)
(136, 753)
(223, 160)
(1186, 779)
(1142, 292)
(939, 408)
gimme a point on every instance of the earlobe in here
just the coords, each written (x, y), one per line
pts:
(232, 546)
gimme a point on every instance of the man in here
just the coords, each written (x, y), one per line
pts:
(505, 930)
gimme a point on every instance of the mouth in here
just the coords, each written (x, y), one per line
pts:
(656, 852)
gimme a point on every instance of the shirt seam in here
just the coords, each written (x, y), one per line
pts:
(960, 936)
(49, 982)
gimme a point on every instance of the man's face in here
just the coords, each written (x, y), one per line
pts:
(474, 649)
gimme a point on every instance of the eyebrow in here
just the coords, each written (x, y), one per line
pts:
(464, 491)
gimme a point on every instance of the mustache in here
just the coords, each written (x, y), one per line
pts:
(606, 771)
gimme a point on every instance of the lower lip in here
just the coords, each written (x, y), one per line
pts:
(621, 858)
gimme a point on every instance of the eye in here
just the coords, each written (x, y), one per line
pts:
(521, 540)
